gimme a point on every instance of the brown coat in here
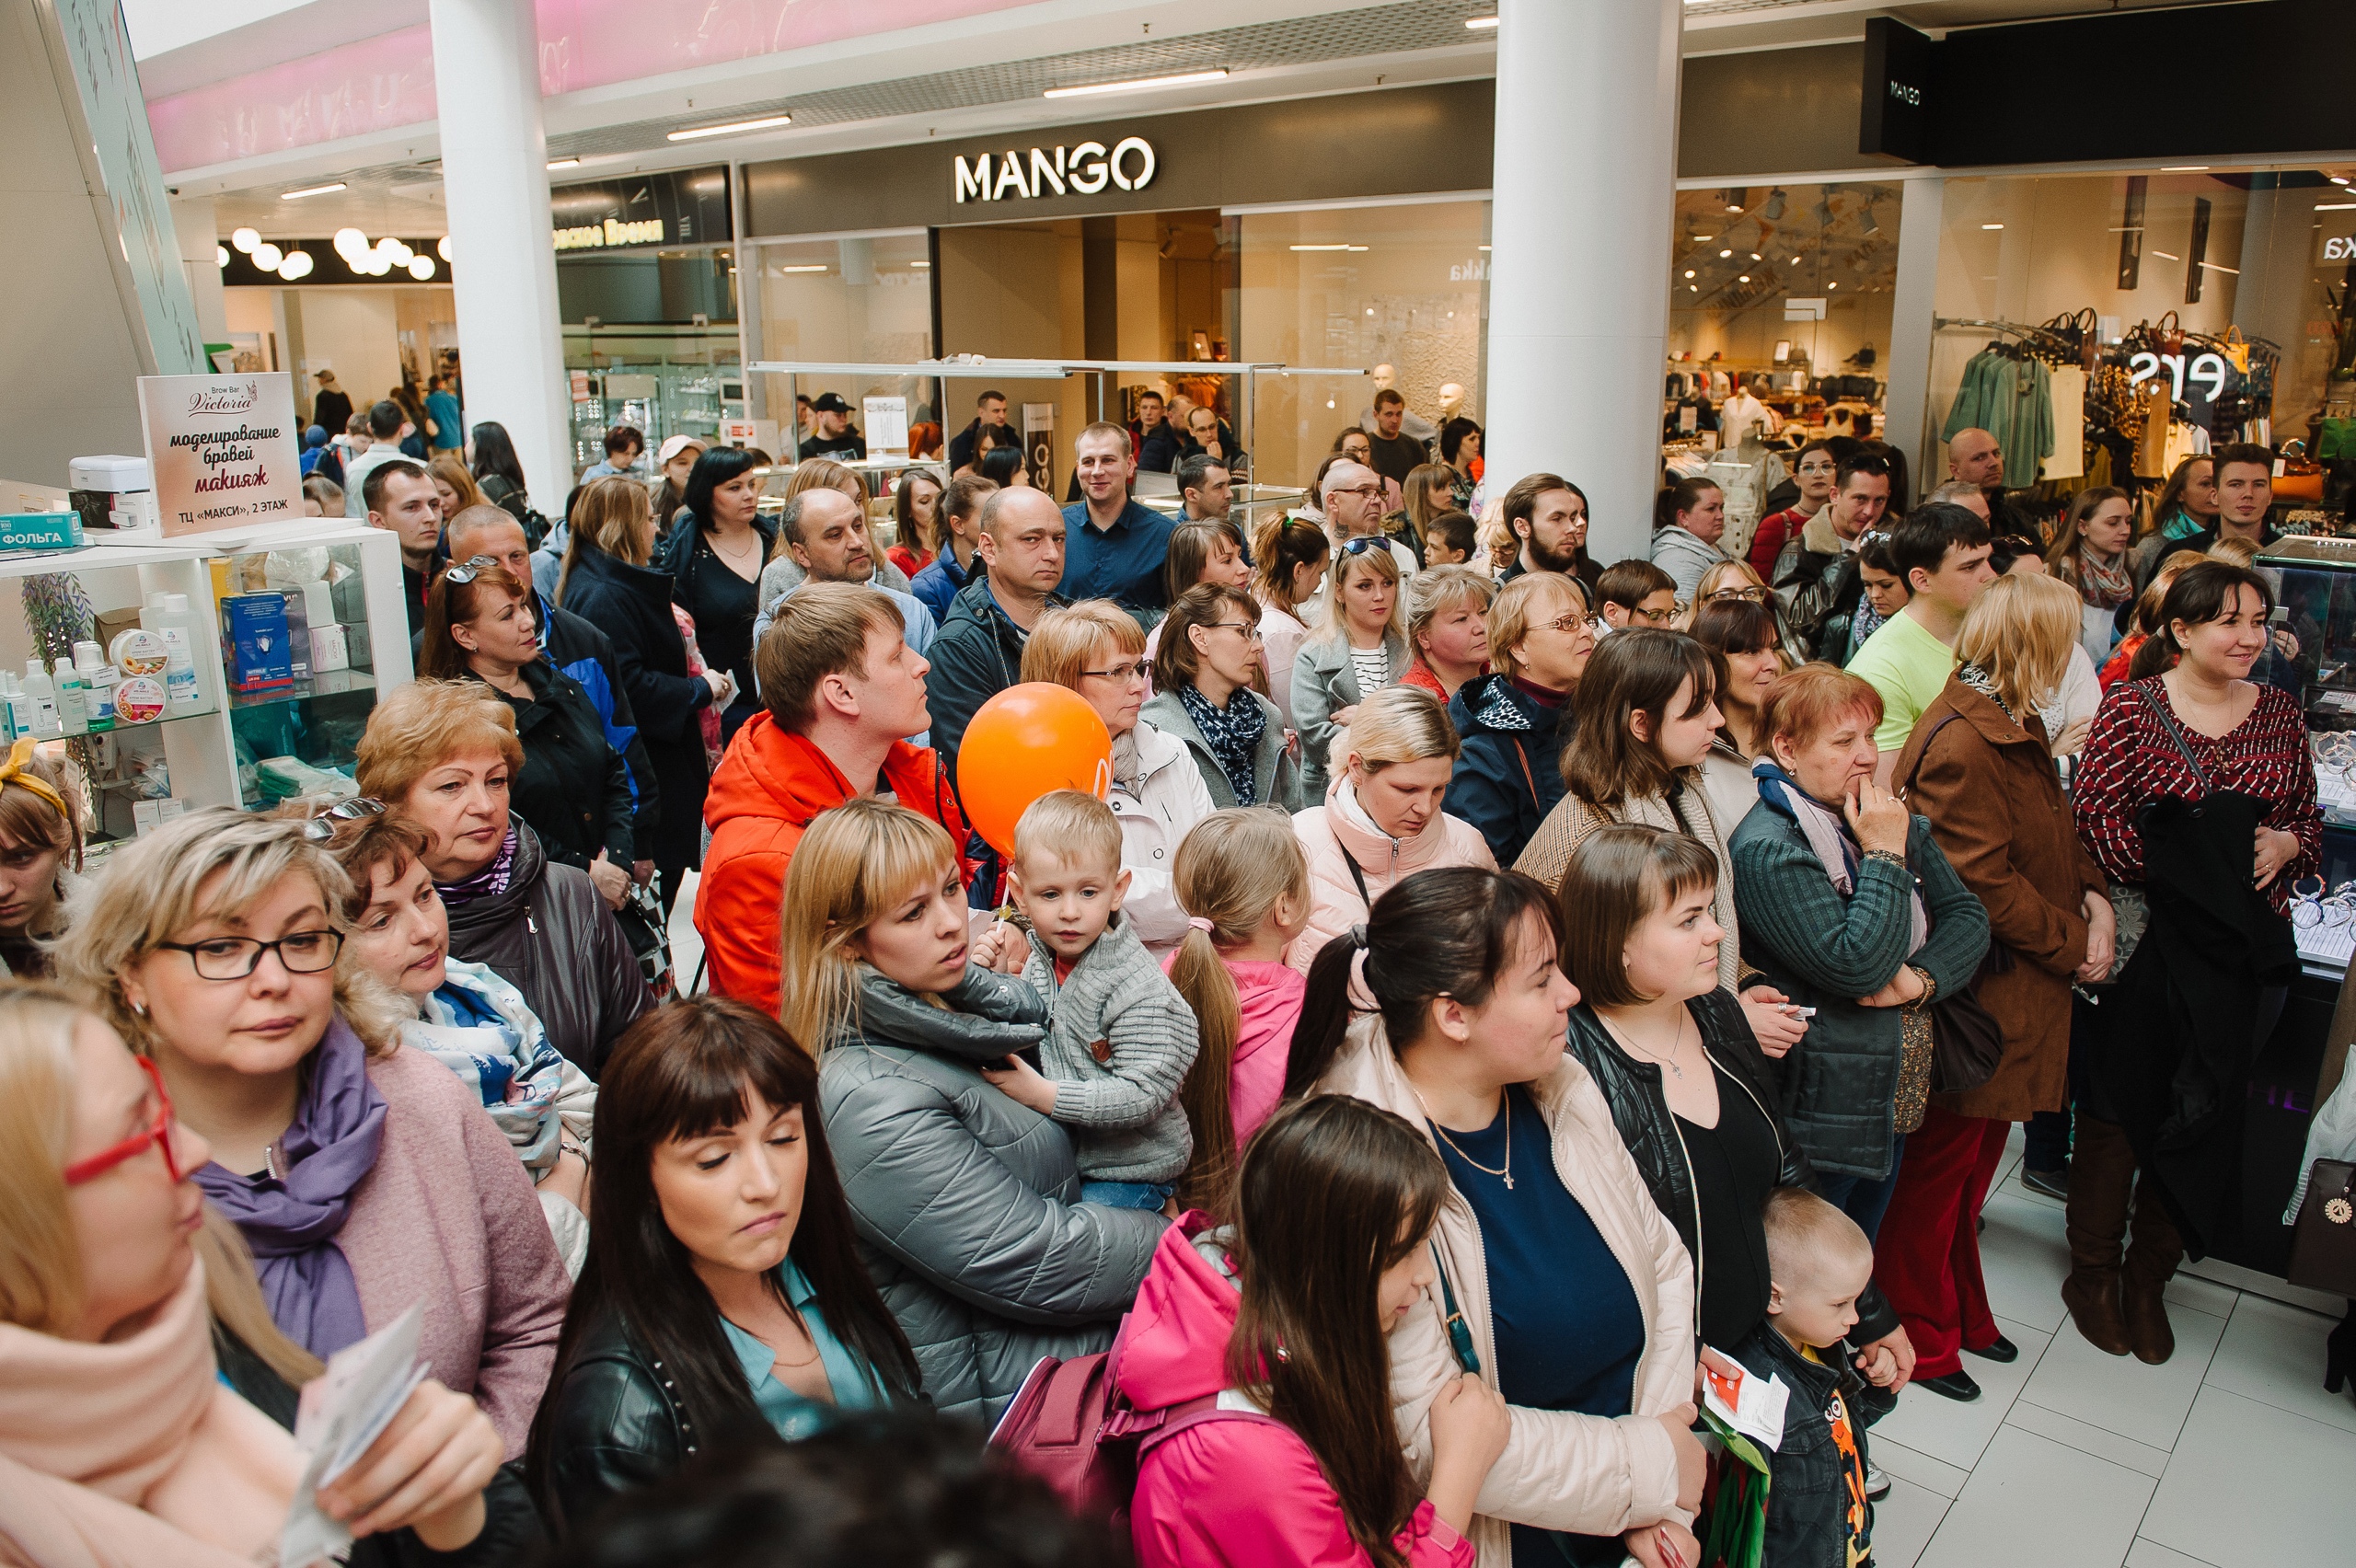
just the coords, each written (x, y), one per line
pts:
(1996, 807)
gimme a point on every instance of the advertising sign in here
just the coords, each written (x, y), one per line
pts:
(1039, 444)
(222, 449)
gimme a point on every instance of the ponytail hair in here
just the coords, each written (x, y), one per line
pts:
(1233, 870)
(1451, 931)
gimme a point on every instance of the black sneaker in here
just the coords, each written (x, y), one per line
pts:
(2051, 1183)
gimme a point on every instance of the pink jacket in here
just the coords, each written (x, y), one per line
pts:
(1271, 996)
(447, 1219)
(1331, 841)
(1241, 1492)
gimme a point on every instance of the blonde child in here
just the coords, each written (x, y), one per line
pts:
(1244, 882)
(1121, 1039)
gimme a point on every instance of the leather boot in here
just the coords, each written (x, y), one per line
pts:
(2152, 1258)
(2102, 1177)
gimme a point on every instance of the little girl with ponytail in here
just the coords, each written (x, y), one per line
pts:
(1244, 885)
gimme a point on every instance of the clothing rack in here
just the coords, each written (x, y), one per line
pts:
(2033, 337)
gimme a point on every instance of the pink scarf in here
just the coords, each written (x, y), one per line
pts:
(134, 1455)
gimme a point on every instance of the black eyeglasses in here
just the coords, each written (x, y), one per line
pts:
(473, 567)
(234, 958)
(322, 827)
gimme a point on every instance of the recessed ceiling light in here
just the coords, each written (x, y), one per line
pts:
(1832, 285)
(2166, 257)
(811, 267)
(1701, 237)
(2320, 207)
(1744, 279)
(2184, 169)
(2213, 266)
(1478, 23)
(1754, 256)
(1319, 247)
(1991, 225)
(564, 163)
(921, 266)
(731, 128)
(1734, 206)
(310, 191)
(1689, 271)
(2339, 180)
(1724, 254)
(1182, 79)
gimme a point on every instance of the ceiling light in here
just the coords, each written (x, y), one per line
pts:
(244, 239)
(1775, 208)
(1478, 23)
(1692, 288)
(350, 242)
(1182, 79)
(221, 254)
(1724, 254)
(421, 267)
(2213, 266)
(267, 257)
(1319, 247)
(1705, 237)
(731, 128)
(1734, 206)
(2184, 169)
(1484, 247)
(296, 266)
(564, 163)
(1755, 256)
(1832, 285)
(310, 191)
(2165, 256)
(1689, 271)
(442, 247)
(2320, 207)
(1991, 225)
(810, 266)
(921, 266)
(2339, 180)
(1744, 279)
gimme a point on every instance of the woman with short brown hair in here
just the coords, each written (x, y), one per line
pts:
(1203, 674)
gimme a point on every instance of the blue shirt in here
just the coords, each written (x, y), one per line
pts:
(1123, 563)
(942, 580)
(855, 1385)
(449, 424)
(1566, 1324)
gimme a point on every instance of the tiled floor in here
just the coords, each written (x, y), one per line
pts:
(2230, 1455)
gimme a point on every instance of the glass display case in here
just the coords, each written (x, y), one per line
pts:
(2314, 589)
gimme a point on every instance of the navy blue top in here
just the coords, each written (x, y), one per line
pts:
(1123, 564)
(1567, 1325)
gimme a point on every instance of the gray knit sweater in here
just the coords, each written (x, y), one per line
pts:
(1119, 1041)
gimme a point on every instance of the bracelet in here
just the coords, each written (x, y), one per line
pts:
(1891, 857)
(1930, 988)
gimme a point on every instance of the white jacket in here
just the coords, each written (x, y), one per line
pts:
(1157, 807)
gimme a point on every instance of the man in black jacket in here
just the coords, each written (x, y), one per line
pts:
(990, 409)
(979, 653)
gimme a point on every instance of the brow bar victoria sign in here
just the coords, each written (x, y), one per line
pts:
(1083, 170)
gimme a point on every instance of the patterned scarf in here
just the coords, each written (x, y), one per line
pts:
(1978, 680)
(2105, 587)
(1233, 734)
(489, 883)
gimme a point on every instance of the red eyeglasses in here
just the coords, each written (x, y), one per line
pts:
(158, 1133)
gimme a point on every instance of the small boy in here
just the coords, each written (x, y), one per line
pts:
(1635, 594)
(1450, 539)
(1818, 1262)
(1119, 1038)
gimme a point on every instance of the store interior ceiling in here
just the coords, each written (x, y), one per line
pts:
(969, 82)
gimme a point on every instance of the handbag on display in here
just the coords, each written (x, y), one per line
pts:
(2168, 334)
(2323, 1243)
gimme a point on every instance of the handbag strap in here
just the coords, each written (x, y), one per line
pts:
(1527, 776)
(1356, 876)
(2175, 734)
(1460, 1332)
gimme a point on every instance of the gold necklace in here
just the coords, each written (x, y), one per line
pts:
(1506, 1171)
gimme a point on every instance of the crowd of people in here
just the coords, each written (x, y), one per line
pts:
(1336, 1058)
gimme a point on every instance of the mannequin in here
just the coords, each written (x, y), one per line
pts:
(1452, 401)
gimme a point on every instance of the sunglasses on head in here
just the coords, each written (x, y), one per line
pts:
(474, 567)
(1361, 545)
(322, 827)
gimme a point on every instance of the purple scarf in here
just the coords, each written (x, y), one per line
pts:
(488, 883)
(291, 1225)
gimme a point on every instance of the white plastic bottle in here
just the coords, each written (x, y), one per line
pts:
(186, 682)
(12, 694)
(98, 680)
(40, 699)
(73, 697)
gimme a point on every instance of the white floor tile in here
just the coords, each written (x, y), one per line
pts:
(2023, 1258)
(1957, 1434)
(2119, 1393)
(2033, 1502)
(2151, 1554)
(1904, 1522)
(2274, 1354)
(2140, 1457)
(1909, 1464)
(2202, 1294)
(2254, 1486)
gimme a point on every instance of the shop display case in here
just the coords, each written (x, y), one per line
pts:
(282, 737)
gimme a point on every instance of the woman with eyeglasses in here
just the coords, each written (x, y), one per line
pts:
(144, 1389)
(573, 788)
(1814, 471)
(1515, 719)
(363, 1175)
(1095, 649)
(1360, 647)
(1205, 676)
(1204, 551)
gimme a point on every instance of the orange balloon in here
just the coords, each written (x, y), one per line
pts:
(1026, 741)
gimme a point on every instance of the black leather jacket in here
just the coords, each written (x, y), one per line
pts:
(1640, 1111)
(617, 1426)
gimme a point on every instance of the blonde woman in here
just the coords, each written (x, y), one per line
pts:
(1094, 648)
(1514, 721)
(1359, 647)
(1380, 819)
(364, 1177)
(1448, 630)
(1980, 767)
(968, 1199)
(1428, 490)
(122, 1440)
(453, 486)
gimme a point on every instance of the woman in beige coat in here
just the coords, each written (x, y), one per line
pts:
(1561, 1284)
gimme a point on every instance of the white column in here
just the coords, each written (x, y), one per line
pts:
(1906, 412)
(193, 223)
(495, 188)
(1578, 295)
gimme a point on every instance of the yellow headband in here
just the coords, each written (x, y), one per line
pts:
(17, 773)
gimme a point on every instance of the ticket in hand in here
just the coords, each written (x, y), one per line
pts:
(344, 1410)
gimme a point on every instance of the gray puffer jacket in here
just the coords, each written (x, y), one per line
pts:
(967, 1204)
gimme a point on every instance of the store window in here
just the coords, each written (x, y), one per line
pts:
(1779, 330)
(1404, 285)
(865, 299)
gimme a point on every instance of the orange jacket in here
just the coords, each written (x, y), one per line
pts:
(767, 788)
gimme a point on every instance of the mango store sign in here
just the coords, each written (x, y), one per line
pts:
(222, 449)
(1083, 170)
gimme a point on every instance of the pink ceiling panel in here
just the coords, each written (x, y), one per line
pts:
(375, 84)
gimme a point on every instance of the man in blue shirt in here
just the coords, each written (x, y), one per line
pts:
(449, 423)
(1116, 548)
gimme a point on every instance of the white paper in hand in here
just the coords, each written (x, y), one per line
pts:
(1749, 1404)
(343, 1411)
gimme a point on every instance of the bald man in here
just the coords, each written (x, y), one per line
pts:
(978, 651)
(1975, 457)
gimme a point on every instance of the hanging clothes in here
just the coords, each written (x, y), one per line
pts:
(2069, 395)
(2011, 399)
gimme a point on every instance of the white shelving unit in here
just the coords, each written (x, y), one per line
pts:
(200, 749)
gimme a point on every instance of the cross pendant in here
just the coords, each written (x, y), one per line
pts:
(1508, 1181)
